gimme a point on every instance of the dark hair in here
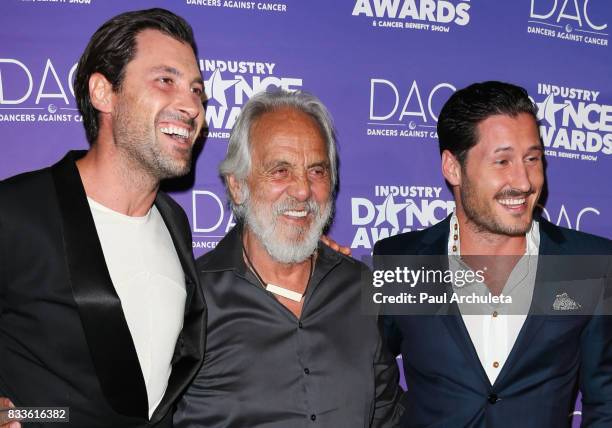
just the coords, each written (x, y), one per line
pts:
(466, 108)
(113, 46)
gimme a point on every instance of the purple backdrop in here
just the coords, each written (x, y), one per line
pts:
(383, 67)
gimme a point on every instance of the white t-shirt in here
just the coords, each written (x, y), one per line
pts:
(148, 277)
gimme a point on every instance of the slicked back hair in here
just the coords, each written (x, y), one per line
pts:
(466, 108)
(113, 46)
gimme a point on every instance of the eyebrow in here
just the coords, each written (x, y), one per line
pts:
(277, 163)
(324, 164)
(537, 147)
(176, 72)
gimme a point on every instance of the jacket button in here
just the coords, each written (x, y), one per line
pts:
(307, 370)
(300, 325)
(493, 398)
(313, 417)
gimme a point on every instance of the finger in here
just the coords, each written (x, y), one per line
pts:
(6, 403)
(345, 250)
(330, 243)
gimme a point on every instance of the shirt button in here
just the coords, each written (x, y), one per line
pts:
(495, 364)
(495, 314)
(306, 370)
(313, 417)
(492, 398)
(300, 325)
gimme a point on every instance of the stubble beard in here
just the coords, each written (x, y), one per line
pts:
(482, 216)
(143, 149)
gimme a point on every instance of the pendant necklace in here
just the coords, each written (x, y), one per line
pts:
(276, 289)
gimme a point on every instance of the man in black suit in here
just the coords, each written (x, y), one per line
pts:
(516, 368)
(100, 309)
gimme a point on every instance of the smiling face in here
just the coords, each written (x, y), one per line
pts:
(289, 185)
(502, 179)
(158, 110)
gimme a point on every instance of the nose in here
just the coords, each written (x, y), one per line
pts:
(300, 188)
(190, 104)
(520, 178)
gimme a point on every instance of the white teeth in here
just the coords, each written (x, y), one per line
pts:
(295, 213)
(174, 130)
(512, 201)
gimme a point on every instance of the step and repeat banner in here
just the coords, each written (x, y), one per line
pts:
(384, 68)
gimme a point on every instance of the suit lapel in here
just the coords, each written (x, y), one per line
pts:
(436, 242)
(189, 349)
(550, 242)
(458, 331)
(108, 336)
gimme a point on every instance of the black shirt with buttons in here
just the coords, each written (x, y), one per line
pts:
(265, 367)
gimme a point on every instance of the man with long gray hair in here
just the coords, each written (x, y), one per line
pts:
(287, 343)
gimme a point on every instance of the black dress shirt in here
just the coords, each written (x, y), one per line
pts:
(263, 367)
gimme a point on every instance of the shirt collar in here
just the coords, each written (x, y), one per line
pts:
(454, 244)
(228, 256)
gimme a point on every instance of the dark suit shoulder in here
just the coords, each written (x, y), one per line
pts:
(403, 243)
(427, 241)
(171, 202)
(24, 182)
(573, 241)
(27, 194)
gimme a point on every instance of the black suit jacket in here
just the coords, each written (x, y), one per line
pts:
(552, 357)
(64, 340)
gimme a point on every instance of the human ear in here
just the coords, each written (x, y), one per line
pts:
(451, 168)
(100, 93)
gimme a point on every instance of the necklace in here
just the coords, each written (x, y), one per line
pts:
(276, 289)
(455, 250)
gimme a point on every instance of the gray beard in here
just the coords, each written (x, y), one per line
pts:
(266, 230)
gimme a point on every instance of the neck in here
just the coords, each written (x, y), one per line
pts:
(475, 241)
(111, 179)
(293, 276)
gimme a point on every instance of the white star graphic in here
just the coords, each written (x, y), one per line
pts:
(548, 108)
(216, 87)
(388, 210)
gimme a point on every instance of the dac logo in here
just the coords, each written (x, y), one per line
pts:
(405, 110)
(396, 209)
(573, 21)
(563, 218)
(428, 15)
(231, 84)
(211, 219)
(25, 92)
(573, 124)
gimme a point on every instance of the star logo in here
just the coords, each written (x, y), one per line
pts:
(388, 210)
(216, 87)
(548, 108)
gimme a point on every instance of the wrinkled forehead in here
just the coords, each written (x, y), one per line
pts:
(287, 131)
